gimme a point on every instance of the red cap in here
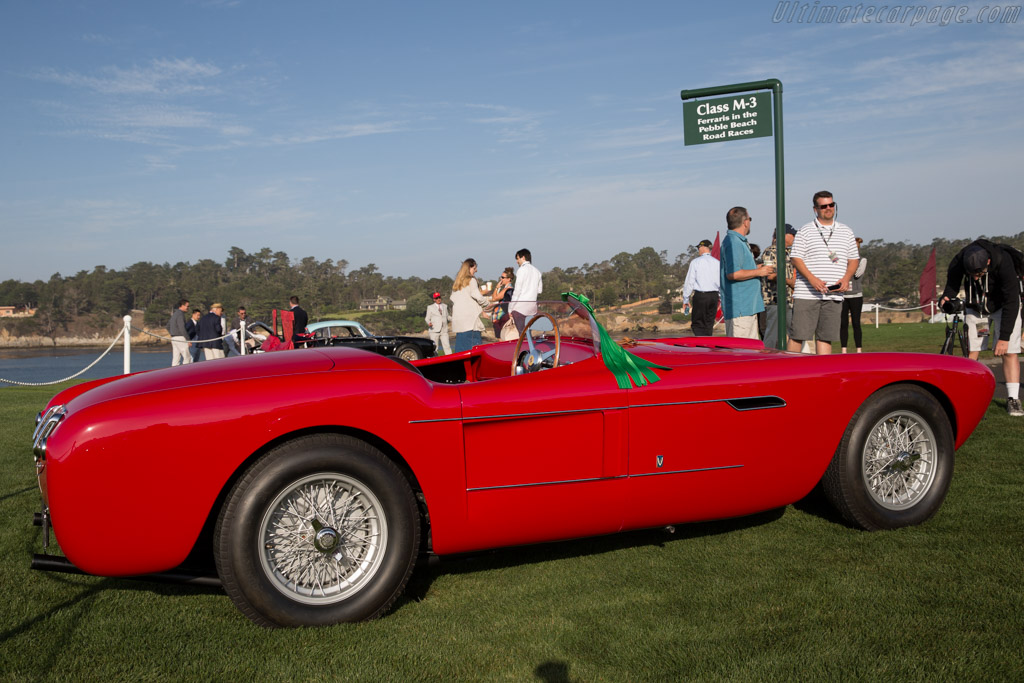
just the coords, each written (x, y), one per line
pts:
(437, 295)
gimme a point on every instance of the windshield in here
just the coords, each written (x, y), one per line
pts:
(574, 321)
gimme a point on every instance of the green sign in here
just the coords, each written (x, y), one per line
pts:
(727, 118)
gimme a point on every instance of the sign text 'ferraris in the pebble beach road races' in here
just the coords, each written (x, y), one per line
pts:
(727, 118)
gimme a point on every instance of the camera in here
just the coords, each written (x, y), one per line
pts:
(953, 306)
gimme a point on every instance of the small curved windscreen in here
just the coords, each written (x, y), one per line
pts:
(572, 318)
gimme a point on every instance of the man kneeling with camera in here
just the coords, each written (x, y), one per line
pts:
(992, 288)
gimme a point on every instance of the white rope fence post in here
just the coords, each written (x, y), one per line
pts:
(879, 307)
(77, 374)
(127, 345)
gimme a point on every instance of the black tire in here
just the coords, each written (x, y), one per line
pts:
(895, 462)
(283, 565)
(408, 352)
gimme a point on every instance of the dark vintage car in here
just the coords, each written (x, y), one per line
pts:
(354, 334)
(334, 468)
(351, 334)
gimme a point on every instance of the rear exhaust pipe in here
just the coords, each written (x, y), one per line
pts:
(56, 563)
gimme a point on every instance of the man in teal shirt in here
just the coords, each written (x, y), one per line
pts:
(741, 289)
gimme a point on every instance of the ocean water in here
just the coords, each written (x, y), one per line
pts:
(43, 366)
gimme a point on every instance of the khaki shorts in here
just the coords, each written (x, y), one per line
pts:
(816, 318)
(978, 331)
(744, 326)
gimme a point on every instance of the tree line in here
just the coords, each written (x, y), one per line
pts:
(264, 280)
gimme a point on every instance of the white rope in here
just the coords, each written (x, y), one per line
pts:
(887, 308)
(171, 339)
(58, 381)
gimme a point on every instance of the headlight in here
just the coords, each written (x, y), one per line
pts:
(45, 424)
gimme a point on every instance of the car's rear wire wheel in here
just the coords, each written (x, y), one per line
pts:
(894, 464)
(408, 352)
(320, 530)
(900, 460)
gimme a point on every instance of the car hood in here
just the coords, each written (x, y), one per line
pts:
(264, 365)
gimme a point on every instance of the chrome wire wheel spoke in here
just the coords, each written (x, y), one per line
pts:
(322, 539)
(900, 460)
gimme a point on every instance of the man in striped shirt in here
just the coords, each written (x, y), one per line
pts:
(825, 257)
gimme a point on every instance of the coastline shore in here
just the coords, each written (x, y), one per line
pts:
(8, 341)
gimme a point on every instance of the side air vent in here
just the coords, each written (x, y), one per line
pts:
(756, 403)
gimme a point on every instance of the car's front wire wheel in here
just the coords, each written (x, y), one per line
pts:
(322, 538)
(320, 530)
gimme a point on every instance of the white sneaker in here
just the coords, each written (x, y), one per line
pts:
(1013, 407)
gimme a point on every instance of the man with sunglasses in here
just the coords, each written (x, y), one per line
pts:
(825, 258)
(992, 288)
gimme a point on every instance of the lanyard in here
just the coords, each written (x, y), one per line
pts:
(821, 227)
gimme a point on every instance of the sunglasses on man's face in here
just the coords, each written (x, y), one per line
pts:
(827, 206)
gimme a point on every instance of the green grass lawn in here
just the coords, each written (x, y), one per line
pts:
(923, 337)
(792, 594)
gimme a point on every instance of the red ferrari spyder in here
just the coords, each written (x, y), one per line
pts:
(309, 482)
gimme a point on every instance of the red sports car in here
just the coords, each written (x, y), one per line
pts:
(312, 480)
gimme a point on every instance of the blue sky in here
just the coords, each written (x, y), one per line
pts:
(412, 135)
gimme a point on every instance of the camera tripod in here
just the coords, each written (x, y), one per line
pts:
(955, 330)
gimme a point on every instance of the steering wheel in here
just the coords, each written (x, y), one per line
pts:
(534, 359)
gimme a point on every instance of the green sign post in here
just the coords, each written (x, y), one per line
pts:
(752, 115)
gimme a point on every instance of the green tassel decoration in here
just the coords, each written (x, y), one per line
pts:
(628, 368)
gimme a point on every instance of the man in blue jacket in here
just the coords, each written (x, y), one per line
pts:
(741, 288)
(210, 333)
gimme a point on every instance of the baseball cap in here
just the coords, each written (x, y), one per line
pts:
(790, 230)
(704, 243)
(437, 295)
(975, 259)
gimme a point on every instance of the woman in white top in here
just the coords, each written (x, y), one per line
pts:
(467, 306)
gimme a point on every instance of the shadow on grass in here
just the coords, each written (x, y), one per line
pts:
(14, 494)
(816, 504)
(431, 568)
(78, 607)
(553, 672)
(502, 558)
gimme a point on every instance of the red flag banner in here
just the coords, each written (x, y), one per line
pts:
(716, 251)
(926, 287)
